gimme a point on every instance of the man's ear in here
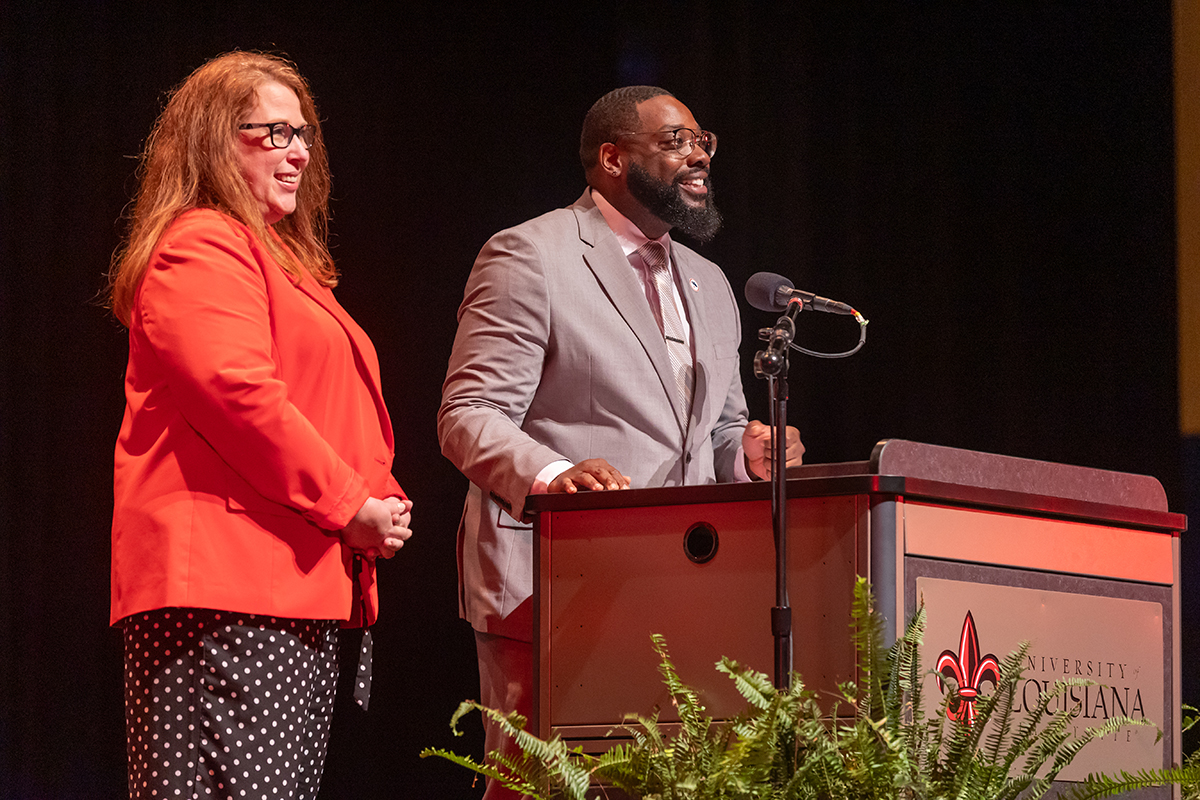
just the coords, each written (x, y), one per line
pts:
(612, 160)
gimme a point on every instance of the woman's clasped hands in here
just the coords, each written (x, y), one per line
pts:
(380, 527)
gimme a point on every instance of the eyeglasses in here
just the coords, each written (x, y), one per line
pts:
(683, 140)
(283, 133)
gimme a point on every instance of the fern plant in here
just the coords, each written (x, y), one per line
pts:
(876, 740)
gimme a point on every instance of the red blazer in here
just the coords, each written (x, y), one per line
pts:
(254, 430)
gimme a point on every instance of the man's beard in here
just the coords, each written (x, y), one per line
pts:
(665, 201)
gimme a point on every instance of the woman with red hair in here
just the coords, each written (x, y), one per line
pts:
(253, 488)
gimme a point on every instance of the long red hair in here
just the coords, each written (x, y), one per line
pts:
(190, 162)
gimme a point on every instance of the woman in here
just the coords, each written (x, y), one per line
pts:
(252, 480)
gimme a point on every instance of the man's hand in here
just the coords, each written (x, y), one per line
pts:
(756, 444)
(593, 475)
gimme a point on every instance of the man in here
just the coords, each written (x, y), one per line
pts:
(583, 362)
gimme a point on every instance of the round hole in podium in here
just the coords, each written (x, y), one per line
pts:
(700, 543)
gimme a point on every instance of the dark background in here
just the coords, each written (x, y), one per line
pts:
(990, 183)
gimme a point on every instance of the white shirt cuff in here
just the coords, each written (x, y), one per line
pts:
(740, 473)
(541, 484)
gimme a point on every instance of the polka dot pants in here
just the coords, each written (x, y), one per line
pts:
(226, 705)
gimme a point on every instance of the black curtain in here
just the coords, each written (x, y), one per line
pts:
(990, 183)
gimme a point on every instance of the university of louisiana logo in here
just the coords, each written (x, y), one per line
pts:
(968, 670)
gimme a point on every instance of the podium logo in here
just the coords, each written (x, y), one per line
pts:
(969, 670)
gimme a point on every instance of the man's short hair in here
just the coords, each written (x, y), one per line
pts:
(613, 114)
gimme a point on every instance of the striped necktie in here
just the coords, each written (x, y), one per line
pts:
(680, 355)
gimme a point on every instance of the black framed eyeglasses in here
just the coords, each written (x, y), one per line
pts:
(683, 141)
(282, 133)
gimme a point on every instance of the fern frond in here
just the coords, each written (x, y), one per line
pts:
(904, 700)
(1067, 752)
(462, 761)
(687, 702)
(1100, 785)
(544, 768)
(755, 687)
(1190, 718)
(867, 635)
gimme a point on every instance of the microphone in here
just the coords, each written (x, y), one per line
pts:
(767, 291)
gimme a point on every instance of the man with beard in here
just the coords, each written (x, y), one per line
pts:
(593, 353)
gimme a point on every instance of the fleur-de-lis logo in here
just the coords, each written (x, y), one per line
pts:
(968, 670)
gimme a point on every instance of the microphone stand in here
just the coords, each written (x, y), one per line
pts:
(772, 364)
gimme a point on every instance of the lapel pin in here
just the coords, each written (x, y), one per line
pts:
(695, 286)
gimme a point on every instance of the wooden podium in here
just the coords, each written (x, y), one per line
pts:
(1083, 563)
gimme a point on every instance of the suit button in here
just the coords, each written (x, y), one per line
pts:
(687, 458)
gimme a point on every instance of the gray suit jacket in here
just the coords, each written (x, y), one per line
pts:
(558, 356)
